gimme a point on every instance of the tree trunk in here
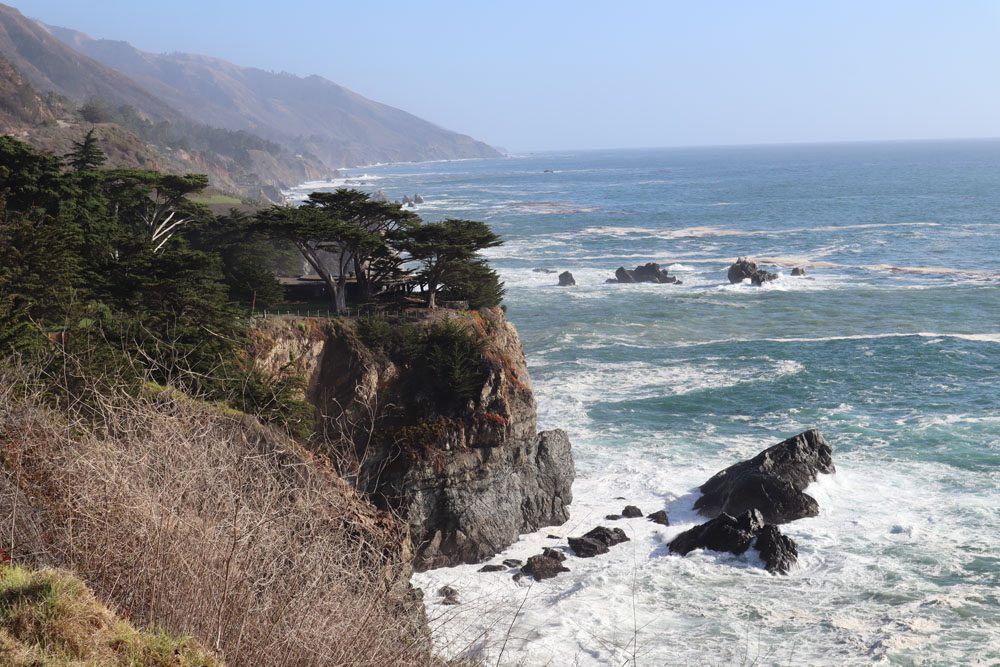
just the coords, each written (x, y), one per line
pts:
(335, 294)
(431, 293)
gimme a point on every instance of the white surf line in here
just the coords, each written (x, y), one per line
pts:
(708, 231)
(977, 337)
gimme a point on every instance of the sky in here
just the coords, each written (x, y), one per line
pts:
(554, 75)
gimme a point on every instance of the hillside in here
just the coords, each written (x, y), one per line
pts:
(49, 65)
(309, 114)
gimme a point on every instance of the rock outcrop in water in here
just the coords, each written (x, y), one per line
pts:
(566, 279)
(597, 541)
(743, 269)
(773, 482)
(468, 479)
(646, 273)
(798, 271)
(735, 535)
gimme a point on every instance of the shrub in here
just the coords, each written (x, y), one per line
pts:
(451, 364)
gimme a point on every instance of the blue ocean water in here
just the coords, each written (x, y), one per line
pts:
(890, 346)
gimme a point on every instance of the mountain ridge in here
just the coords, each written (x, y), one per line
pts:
(306, 114)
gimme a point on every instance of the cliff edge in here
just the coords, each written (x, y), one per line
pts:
(433, 417)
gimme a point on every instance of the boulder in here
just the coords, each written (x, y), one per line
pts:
(772, 482)
(631, 512)
(447, 591)
(586, 547)
(776, 550)
(723, 533)
(494, 568)
(566, 279)
(609, 536)
(406, 200)
(513, 562)
(737, 534)
(544, 566)
(417, 199)
(612, 517)
(549, 552)
(660, 517)
(798, 271)
(743, 269)
(610, 281)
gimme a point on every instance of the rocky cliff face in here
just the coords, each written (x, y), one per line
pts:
(468, 478)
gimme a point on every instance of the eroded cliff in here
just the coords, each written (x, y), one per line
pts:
(433, 418)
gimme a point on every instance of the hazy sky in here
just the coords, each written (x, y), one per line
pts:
(559, 74)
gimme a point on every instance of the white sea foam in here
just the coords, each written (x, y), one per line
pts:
(639, 598)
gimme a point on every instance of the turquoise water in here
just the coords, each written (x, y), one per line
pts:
(890, 346)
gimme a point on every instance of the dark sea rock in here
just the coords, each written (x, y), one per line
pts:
(798, 271)
(723, 533)
(610, 281)
(494, 568)
(445, 591)
(612, 517)
(406, 200)
(541, 270)
(513, 562)
(544, 567)
(549, 552)
(743, 268)
(417, 199)
(737, 534)
(660, 517)
(645, 273)
(609, 536)
(776, 550)
(566, 279)
(772, 482)
(631, 512)
(624, 276)
(585, 547)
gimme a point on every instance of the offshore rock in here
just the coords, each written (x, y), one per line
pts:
(566, 279)
(622, 275)
(585, 547)
(468, 481)
(631, 512)
(544, 566)
(649, 272)
(660, 517)
(494, 568)
(723, 533)
(776, 550)
(798, 271)
(743, 269)
(772, 482)
(737, 534)
(417, 199)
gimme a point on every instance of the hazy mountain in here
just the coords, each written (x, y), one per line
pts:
(49, 65)
(309, 114)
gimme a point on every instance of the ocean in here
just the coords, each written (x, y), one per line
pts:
(890, 346)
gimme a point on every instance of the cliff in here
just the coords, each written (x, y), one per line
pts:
(434, 419)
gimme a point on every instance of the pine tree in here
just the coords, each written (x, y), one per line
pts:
(86, 154)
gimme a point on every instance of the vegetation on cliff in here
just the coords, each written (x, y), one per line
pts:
(50, 617)
(196, 519)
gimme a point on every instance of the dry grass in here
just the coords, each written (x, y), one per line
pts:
(49, 617)
(198, 520)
